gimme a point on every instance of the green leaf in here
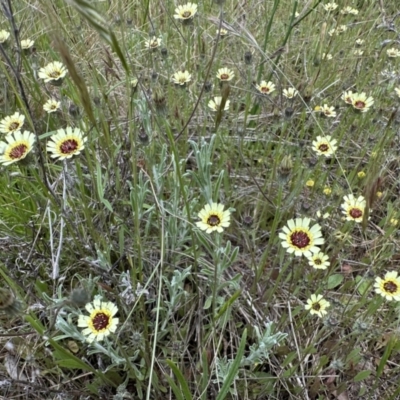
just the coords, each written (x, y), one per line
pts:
(334, 281)
(233, 369)
(362, 285)
(182, 381)
(362, 375)
(228, 303)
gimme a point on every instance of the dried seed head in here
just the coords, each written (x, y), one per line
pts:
(79, 297)
(248, 57)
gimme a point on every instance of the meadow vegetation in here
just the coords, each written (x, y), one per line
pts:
(199, 200)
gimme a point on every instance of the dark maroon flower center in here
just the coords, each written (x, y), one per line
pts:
(317, 261)
(213, 220)
(300, 239)
(224, 77)
(355, 213)
(323, 147)
(359, 104)
(54, 74)
(18, 151)
(68, 146)
(390, 287)
(265, 89)
(100, 321)
(316, 306)
(186, 14)
(14, 126)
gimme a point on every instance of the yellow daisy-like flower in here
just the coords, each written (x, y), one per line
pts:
(27, 44)
(361, 174)
(153, 43)
(17, 147)
(389, 286)
(222, 32)
(216, 104)
(181, 77)
(324, 145)
(348, 97)
(53, 73)
(290, 93)
(397, 90)
(317, 305)
(328, 111)
(353, 208)
(349, 10)
(330, 6)
(361, 102)
(4, 35)
(51, 105)
(12, 123)
(341, 29)
(393, 52)
(360, 42)
(101, 322)
(327, 190)
(298, 238)
(327, 56)
(319, 260)
(185, 12)
(310, 183)
(66, 143)
(265, 87)
(214, 218)
(225, 74)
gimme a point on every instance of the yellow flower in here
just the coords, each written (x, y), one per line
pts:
(214, 218)
(394, 221)
(290, 93)
(348, 97)
(393, 52)
(330, 6)
(225, 74)
(319, 260)
(389, 286)
(222, 32)
(26, 44)
(349, 10)
(101, 322)
(12, 123)
(185, 12)
(327, 190)
(53, 73)
(216, 104)
(379, 194)
(317, 305)
(361, 102)
(358, 52)
(361, 174)
(310, 183)
(4, 35)
(298, 238)
(152, 43)
(360, 42)
(17, 147)
(51, 105)
(328, 111)
(265, 88)
(327, 56)
(181, 77)
(66, 143)
(324, 145)
(353, 208)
